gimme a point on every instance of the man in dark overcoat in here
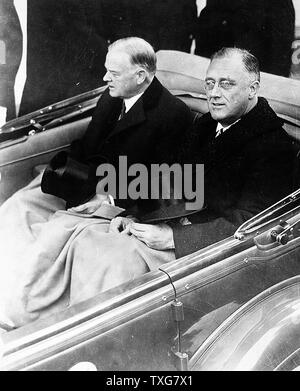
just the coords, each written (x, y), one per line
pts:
(148, 132)
(248, 157)
(136, 118)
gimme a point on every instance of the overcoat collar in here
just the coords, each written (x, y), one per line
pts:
(260, 120)
(137, 114)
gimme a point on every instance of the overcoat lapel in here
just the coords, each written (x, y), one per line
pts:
(227, 144)
(232, 140)
(135, 116)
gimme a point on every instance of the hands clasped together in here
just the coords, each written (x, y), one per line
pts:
(158, 237)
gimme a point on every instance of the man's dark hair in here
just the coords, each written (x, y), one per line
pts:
(250, 62)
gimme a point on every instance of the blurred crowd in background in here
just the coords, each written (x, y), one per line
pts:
(63, 43)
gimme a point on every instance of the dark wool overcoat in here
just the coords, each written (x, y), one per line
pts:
(148, 133)
(247, 168)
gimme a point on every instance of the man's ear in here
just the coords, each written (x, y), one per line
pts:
(141, 76)
(253, 89)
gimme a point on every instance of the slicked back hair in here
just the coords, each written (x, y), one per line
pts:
(141, 53)
(250, 62)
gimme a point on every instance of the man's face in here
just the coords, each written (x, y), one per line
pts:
(121, 75)
(228, 89)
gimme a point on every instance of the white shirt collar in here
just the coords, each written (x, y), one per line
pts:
(129, 102)
(219, 126)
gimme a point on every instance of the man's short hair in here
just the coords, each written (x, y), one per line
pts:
(250, 62)
(140, 52)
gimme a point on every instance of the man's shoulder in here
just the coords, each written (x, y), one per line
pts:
(155, 94)
(173, 103)
(168, 96)
(263, 130)
(160, 98)
(261, 120)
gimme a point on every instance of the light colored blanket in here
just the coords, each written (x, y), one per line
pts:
(52, 258)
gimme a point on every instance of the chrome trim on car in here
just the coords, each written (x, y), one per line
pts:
(268, 217)
(64, 109)
(77, 329)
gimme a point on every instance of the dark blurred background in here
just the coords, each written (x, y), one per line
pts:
(54, 49)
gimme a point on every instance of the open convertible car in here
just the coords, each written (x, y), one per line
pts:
(234, 305)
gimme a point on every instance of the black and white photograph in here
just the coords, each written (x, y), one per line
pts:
(149, 188)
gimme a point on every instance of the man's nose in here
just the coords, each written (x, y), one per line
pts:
(216, 91)
(107, 77)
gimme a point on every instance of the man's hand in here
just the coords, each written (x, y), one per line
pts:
(121, 224)
(158, 237)
(92, 205)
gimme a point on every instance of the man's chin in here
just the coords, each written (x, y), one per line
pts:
(113, 93)
(217, 116)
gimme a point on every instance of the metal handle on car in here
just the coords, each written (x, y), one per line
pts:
(289, 232)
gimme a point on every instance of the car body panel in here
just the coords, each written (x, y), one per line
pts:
(209, 294)
(264, 334)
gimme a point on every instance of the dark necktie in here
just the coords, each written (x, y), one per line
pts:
(219, 132)
(123, 110)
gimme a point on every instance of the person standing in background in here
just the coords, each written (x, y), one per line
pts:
(165, 24)
(264, 27)
(171, 25)
(10, 57)
(66, 51)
